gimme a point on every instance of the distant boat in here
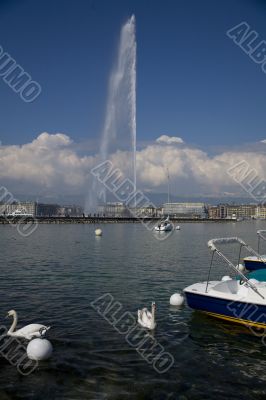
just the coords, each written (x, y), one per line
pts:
(164, 226)
(19, 213)
(253, 263)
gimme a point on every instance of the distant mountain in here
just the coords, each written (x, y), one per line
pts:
(61, 200)
(160, 198)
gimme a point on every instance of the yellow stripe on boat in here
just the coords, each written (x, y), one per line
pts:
(237, 320)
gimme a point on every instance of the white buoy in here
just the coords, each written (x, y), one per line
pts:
(226, 278)
(39, 349)
(177, 299)
(253, 281)
(98, 232)
(241, 267)
(177, 228)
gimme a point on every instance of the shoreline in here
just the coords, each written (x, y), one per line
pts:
(97, 220)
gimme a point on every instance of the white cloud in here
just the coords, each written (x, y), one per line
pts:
(194, 168)
(48, 162)
(51, 164)
(169, 140)
(263, 141)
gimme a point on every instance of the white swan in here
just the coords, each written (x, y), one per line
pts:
(146, 318)
(29, 331)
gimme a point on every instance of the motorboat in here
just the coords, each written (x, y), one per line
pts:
(164, 226)
(253, 263)
(20, 213)
(239, 300)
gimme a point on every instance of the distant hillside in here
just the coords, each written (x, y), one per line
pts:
(160, 198)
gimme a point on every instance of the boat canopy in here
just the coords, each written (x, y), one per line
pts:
(228, 240)
(212, 246)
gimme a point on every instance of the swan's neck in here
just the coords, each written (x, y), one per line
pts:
(14, 324)
(153, 313)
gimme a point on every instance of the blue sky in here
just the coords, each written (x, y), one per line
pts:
(192, 80)
(193, 83)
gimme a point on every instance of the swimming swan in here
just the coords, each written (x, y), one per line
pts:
(146, 318)
(29, 331)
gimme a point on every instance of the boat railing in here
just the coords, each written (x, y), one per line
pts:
(232, 240)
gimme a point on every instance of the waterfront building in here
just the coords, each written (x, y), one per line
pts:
(222, 210)
(47, 210)
(39, 209)
(260, 212)
(19, 208)
(213, 212)
(143, 212)
(236, 211)
(242, 211)
(121, 210)
(70, 211)
(114, 209)
(185, 210)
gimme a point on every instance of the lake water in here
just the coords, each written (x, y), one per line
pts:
(53, 276)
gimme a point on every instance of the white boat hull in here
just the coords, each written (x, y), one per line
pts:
(164, 228)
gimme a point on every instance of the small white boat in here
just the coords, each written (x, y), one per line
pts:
(164, 226)
(19, 213)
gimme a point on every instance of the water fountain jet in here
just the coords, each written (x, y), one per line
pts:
(119, 131)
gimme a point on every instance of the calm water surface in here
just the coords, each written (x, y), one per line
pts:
(53, 276)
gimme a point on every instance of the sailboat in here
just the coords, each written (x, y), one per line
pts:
(165, 225)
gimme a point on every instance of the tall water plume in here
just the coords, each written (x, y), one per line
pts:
(119, 131)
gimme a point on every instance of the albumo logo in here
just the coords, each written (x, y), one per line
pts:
(17, 79)
(248, 40)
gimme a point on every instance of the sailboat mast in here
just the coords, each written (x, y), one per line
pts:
(168, 185)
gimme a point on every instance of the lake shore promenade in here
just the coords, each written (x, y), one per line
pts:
(98, 220)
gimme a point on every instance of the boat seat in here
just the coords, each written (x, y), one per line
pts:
(231, 286)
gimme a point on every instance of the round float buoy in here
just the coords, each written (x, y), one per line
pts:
(226, 278)
(39, 349)
(177, 299)
(98, 232)
(253, 281)
(241, 267)
(178, 228)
